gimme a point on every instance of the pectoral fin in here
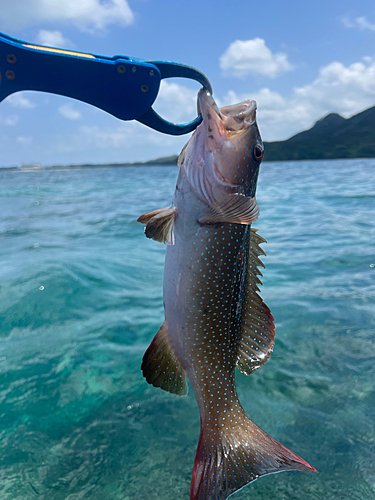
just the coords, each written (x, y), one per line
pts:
(160, 365)
(258, 329)
(234, 208)
(159, 224)
(143, 219)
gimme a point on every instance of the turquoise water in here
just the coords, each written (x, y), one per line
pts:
(81, 298)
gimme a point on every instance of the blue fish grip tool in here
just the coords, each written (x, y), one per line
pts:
(122, 86)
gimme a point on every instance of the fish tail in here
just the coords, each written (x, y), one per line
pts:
(232, 452)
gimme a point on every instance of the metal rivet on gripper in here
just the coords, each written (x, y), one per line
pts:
(152, 72)
(134, 69)
(10, 75)
(144, 88)
(11, 59)
(121, 69)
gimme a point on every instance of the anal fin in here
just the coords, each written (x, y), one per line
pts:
(160, 365)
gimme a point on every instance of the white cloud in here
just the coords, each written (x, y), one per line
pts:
(87, 15)
(125, 135)
(18, 100)
(176, 102)
(342, 89)
(53, 39)
(11, 120)
(361, 23)
(24, 140)
(244, 57)
(68, 111)
(106, 138)
(278, 117)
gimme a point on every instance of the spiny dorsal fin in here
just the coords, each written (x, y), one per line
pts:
(161, 367)
(159, 224)
(258, 329)
(234, 208)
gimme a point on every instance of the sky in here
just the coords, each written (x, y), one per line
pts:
(298, 60)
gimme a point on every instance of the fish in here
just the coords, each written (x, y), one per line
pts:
(215, 319)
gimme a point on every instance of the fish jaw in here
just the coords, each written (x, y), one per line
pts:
(224, 153)
(231, 133)
(213, 126)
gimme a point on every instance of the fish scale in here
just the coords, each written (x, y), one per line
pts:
(215, 319)
(210, 304)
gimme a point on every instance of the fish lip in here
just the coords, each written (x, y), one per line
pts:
(207, 106)
(250, 114)
(244, 112)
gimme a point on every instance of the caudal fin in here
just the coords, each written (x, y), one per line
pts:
(235, 451)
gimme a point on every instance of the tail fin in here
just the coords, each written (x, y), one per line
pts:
(235, 452)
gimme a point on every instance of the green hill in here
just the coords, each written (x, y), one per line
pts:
(331, 137)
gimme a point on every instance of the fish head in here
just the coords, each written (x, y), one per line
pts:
(231, 137)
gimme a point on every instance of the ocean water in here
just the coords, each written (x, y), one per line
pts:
(81, 298)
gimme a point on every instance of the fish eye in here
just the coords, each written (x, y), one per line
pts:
(257, 153)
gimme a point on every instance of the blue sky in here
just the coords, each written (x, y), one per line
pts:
(298, 60)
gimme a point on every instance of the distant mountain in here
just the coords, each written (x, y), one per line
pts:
(331, 137)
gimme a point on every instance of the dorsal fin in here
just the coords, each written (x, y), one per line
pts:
(160, 366)
(159, 224)
(258, 329)
(234, 208)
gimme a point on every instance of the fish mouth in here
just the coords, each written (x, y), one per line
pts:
(240, 115)
(218, 122)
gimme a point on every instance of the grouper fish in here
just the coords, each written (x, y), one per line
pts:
(215, 319)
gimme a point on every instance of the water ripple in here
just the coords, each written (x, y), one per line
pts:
(81, 298)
